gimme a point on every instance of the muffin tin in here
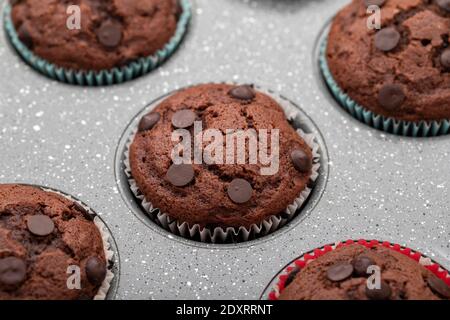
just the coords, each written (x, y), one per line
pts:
(379, 186)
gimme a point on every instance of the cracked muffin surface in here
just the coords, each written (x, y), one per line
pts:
(341, 274)
(112, 33)
(401, 71)
(218, 195)
(43, 236)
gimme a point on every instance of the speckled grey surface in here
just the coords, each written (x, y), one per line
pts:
(380, 186)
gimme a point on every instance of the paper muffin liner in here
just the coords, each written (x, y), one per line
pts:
(306, 258)
(112, 76)
(380, 122)
(106, 238)
(230, 234)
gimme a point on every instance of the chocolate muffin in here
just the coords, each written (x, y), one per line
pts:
(113, 33)
(401, 71)
(218, 193)
(43, 238)
(341, 274)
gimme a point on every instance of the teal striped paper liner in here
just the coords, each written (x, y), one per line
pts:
(380, 122)
(104, 77)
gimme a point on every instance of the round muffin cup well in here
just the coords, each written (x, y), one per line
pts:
(277, 285)
(380, 122)
(106, 238)
(116, 75)
(220, 235)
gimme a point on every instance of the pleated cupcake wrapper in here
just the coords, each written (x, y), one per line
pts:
(305, 259)
(117, 75)
(230, 234)
(380, 122)
(106, 238)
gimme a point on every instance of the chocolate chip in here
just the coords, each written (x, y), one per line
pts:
(387, 39)
(384, 293)
(438, 286)
(183, 119)
(339, 272)
(445, 58)
(110, 33)
(301, 160)
(40, 225)
(95, 270)
(13, 272)
(25, 36)
(374, 2)
(180, 175)
(148, 121)
(244, 92)
(444, 4)
(240, 191)
(360, 265)
(291, 276)
(391, 96)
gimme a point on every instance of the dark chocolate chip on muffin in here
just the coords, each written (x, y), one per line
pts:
(345, 274)
(111, 33)
(43, 239)
(210, 193)
(402, 70)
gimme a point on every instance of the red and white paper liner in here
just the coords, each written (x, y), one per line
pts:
(230, 234)
(305, 259)
(106, 238)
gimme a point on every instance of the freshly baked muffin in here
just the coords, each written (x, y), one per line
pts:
(113, 33)
(401, 71)
(341, 274)
(44, 237)
(214, 193)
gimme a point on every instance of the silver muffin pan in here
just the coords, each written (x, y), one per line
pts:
(379, 186)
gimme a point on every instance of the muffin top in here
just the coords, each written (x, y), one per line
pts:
(341, 274)
(112, 32)
(401, 71)
(43, 238)
(219, 193)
